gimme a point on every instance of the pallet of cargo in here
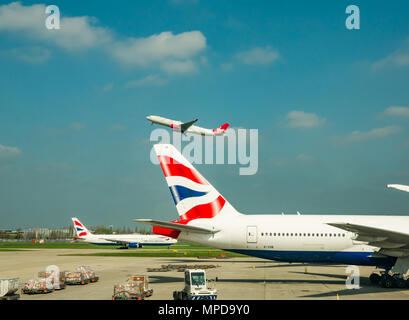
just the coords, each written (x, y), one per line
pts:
(8, 289)
(36, 291)
(77, 282)
(10, 297)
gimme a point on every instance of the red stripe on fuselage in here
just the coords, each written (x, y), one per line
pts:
(172, 168)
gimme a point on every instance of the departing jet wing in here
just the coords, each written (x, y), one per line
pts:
(390, 242)
(398, 187)
(175, 226)
(187, 125)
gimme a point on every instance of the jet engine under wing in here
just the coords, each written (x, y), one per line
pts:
(175, 226)
(187, 125)
(391, 243)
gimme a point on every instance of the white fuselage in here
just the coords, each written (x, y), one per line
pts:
(175, 125)
(142, 239)
(302, 238)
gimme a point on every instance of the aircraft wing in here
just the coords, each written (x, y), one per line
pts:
(398, 187)
(187, 125)
(391, 243)
(175, 226)
(119, 241)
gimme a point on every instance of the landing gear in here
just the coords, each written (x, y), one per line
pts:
(375, 278)
(386, 280)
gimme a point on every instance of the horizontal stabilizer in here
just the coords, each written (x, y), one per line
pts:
(175, 226)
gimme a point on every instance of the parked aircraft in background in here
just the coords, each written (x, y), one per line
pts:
(123, 240)
(207, 218)
(187, 126)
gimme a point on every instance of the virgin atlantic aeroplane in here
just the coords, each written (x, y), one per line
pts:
(187, 127)
(207, 218)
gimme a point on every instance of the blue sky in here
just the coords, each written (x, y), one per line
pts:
(331, 105)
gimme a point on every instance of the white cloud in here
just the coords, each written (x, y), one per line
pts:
(117, 128)
(108, 86)
(150, 80)
(9, 152)
(33, 55)
(258, 56)
(398, 58)
(172, 53)
(179, 67)
(163, 48)
(305, 158)
(303, 120)
(397, 111)
(377, 133)
(77, 126)
(75, 32)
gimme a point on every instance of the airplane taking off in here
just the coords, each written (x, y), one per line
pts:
(187, 126)
(207, 218)
(123, 240)
(398, 187)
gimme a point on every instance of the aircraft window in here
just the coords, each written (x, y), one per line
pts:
(322, 234)
(291, 234)
(296, 234)
(287, 234)
(339, 234)
(325, 234)
(261, 233)
(330, 234)
(343, 234)
(312, 235)
(304, 234)
(274, 234)
(308, 234)
(271, 234)
(279, 234)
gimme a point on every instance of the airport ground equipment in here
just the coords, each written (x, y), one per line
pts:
(8, 289)
(144, 282)
(130, 290)
(88, 273)
(196, 287)
(58, 282)
(38, 286)
(76, 278)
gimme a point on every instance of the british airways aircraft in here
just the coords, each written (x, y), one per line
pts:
(207, 218)
(187, 126)
(124, 240)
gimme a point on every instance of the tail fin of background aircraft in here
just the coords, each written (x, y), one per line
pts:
(194, 196)
(80, 229)
(221, 129)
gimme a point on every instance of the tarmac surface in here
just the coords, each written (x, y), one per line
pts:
(238, 278)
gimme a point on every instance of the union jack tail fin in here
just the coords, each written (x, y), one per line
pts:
(194, 196)
(80, 229)
(221, 129)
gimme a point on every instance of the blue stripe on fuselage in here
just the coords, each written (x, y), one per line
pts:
(334, 257)
(180, 193)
